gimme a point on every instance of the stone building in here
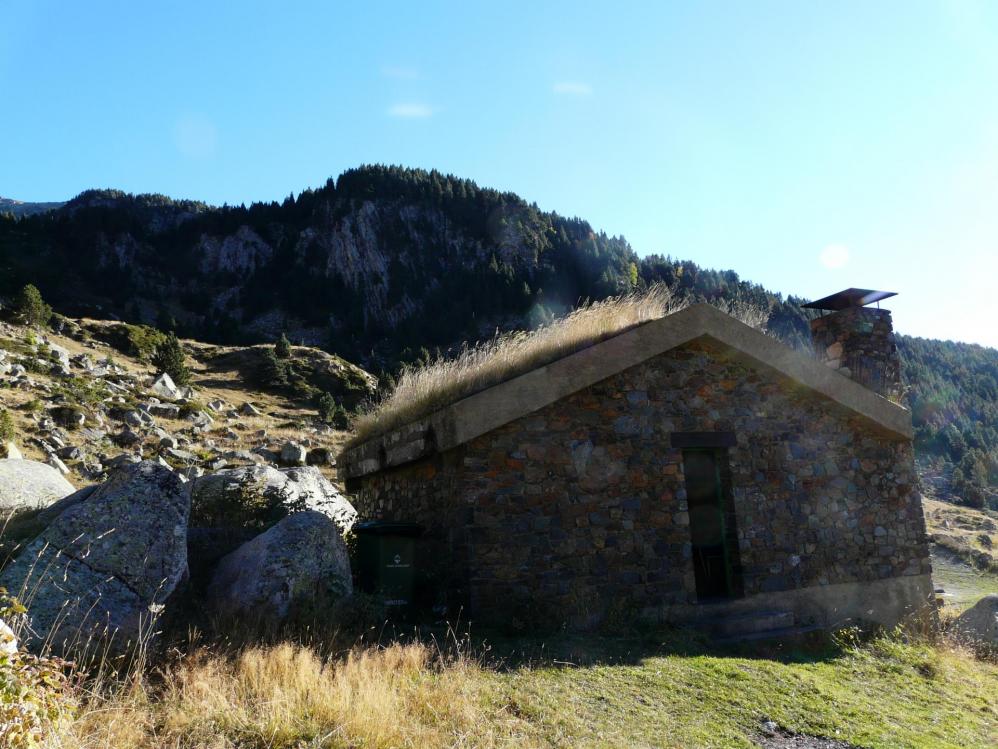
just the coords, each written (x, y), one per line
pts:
(690, 469)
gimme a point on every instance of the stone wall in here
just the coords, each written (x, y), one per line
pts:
(582, 505)
(859, 342)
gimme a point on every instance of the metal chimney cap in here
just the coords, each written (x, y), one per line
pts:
(850, 298)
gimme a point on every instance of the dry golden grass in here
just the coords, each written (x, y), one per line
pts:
(420, 390)
(287, 696)
(423, 389)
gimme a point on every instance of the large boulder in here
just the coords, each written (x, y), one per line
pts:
(978, 625)
(109, 560)
(302, 559)
(256, 497)
(231, 506)
(29, 485)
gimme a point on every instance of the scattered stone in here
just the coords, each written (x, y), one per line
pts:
(57, 464)
(70, 452)
(29, 485)
(293, 454)
(216, 405)
(127, 437)
(320, 456)
(166, 410)
(248, 409)
(68, 416)
(9, 451)
(302, 557)
(108, 560)
(168, 441)
(164, 387)
(182, 456)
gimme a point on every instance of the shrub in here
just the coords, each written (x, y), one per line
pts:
(169, 357)
(331, 412)
(7, 429)
(31, 307)
(34, 691)
(282, 349)
(273, 371)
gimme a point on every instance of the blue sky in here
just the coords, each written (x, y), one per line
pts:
(808, 146)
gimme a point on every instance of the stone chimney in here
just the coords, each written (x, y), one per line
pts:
(857, 340)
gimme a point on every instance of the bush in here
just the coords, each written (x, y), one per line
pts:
(169, 357)
(7, 429)
(273, 371)
(331, 412)
(282, 349)
(34, 691)
(31, 307)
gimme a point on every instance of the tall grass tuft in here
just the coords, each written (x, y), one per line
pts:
(420, 390)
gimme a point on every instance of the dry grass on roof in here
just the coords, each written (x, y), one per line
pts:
(423, 389)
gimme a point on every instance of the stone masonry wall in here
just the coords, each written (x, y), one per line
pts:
(582, 505)
(859, 342)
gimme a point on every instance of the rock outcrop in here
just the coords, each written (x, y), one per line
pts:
(108, 561)
(302, 558)
(29, 485)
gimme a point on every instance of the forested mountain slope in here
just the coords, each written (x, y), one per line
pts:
(384, 264)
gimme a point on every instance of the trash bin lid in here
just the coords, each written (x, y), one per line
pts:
(388, 528)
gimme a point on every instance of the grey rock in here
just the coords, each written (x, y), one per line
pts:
(29, 485)
(67, 416)
(181, 455)
(293, 454)
(166, 410)
(248, 409)
(257, 496)
(168, 441)
(164, 387)
(53, 460)
(110, 556)
(127, 437)
(320, 456)
(301, 558)
(978, 625)
(9, 450)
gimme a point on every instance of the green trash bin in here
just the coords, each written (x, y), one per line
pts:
(386, 560)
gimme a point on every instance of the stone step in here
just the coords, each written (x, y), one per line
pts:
(751, 623)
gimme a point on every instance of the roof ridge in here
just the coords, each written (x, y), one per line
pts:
(488, 409)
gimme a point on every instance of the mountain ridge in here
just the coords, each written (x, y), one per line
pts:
(386, 265)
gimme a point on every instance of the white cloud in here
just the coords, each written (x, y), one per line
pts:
(834, 256)
(410, 111)
(400, 72)
(573, 88)
(195, 136)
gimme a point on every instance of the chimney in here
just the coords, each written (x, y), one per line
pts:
(858, 341)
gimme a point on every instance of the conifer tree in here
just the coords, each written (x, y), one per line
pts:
(169, 357)
(283, 347)
(31, 307)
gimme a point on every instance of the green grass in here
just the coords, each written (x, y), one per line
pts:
(882, 694)
(963, 584)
